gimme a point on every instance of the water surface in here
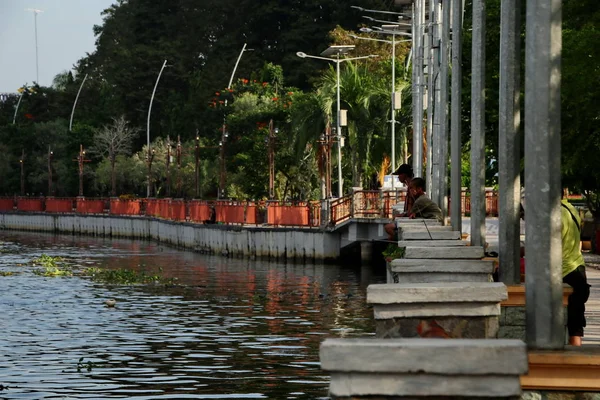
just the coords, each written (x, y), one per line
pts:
(230, 328)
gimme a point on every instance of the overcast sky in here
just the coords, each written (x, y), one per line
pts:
(64, 36)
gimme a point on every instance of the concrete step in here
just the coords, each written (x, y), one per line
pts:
(422, 234)
(417, 368)
(456, 252)
(417, 221)
(427, 270)
(432, 243)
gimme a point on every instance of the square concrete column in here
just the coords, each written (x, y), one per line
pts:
(455, 117)
(478, 125)
(509, 145)
(542, 175)
(381, 369)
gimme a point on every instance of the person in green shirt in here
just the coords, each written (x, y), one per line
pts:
(423, 207)
(573, 271)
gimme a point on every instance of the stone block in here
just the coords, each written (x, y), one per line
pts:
(514, 316)
(403, 221)
(428, 293)
(451, 310)
(431, 243)
(431, 270)
(465, 252)
(511, 332)
(434, 368)
(440, 327)
(422, 234)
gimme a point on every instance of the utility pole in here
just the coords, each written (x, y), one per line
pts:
(50, 156)
(35, 12)
(80, 162)
(22, 161)
(168, 160)
(197, 157)
(178, 158)
(271, 154)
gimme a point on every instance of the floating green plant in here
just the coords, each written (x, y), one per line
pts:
(6, 273)
(51, 266)
(127, 277)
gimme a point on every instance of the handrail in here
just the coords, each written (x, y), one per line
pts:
(360, 204)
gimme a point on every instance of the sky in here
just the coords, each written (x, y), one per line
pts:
(64, 32)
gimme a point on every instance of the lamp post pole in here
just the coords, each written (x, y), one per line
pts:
(337, 50)
(197, 159)
(150, 153)
(50, 155)
(37, 68)
(22, 161)
(168, 164)
(75, 103)
(178, 158)
(271, 155)
(80, 162)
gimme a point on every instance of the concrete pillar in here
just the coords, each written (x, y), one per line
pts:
(509, 146)
(444, 70)
(455, 118)
(430, 97)
(417, 157)
(542, 174)
(366, 252)
(437, 102)
(478, 125)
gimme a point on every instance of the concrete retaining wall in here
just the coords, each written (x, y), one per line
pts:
(309, 245)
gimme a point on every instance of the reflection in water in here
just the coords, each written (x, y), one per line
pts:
(233, 329)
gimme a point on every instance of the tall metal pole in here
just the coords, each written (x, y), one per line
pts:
(50, 155)
(75, 103)
(148, 125)
(271, 157)
(543, 245)
(444, 70)
(393, 103)
(437, 103)
(18, 104)
(478, 126)
(417, 157)
(509, 146)
(338, 130)
(430, 105)
(455, 119)
(197, 163)
(22, 162)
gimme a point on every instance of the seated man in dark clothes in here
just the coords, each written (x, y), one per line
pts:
(423, 207)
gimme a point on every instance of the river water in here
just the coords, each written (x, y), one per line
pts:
(229, 328)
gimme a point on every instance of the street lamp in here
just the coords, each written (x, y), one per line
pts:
(337, 51)
(222, 171)
(326, 141)
(168, 164)
(270, 141)
(197, 159)
(151, 153)
(224, 135)
(50, 156)
(22, 161)
(75, 103)
(395, 99)
(178, 153)
(35, 12)
(80, 162)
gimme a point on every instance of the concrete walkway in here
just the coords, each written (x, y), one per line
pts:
(592, 312)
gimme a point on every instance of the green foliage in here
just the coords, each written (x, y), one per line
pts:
(392, 252)
(52, 266)
(127, 277)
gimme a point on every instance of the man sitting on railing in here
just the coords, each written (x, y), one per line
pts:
(405, 175)
(423, 207)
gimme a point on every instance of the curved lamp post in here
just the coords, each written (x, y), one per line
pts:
(75, 103)
(148, 128)
(337, 51)
(225, 134)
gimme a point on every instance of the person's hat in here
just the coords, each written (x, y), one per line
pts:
(404, 169)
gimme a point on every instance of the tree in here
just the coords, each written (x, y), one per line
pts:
(114, 140)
